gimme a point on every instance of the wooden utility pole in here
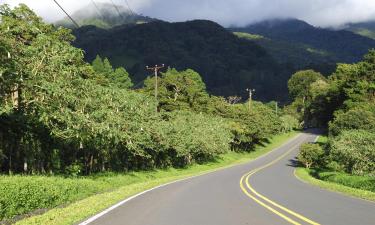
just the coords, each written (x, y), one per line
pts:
(276, 106)
(156, 69)
(251, 92)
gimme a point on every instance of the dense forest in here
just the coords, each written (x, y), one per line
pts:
(61, 115)
(337, 45)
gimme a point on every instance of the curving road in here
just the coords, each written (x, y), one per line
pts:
(263, 191)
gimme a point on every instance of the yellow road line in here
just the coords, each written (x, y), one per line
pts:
(249, 174)
(266, 206)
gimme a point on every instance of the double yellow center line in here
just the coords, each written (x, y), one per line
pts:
(281, 211)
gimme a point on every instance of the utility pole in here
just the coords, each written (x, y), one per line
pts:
(251, 92)
(156, 69)
(276, 106)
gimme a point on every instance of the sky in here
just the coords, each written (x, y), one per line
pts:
(322, 13)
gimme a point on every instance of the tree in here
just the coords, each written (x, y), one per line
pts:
(354, 149)
(178, 90)
(121, 79)
(310, 154)
(118, 77)
(300, 82)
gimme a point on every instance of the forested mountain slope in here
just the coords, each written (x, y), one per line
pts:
(227, 63)
(366, 29)
(341, 46)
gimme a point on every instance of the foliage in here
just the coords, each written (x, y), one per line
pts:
(310, 154)
(359, 182)
(289, 123)
(105, 189)
(118, 77)
(178, 90)
(355, 151)
(353, 119)
(310, 176)
(300, 82)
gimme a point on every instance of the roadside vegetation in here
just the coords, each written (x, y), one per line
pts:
(70, 129)
(37, 194)
(343, 103)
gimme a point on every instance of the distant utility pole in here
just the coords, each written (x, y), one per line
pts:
(74, 22)
(251, 92)
(156, 69)
(276, 106)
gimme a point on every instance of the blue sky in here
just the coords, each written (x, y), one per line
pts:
(322, 13)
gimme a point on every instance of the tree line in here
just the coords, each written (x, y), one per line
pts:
(61, 115)
(344, 103)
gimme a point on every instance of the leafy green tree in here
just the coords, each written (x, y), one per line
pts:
(300, 82)
(178, 90)
(121, 79)
(288, 123)
(118, 77)
(310, 154)
(354, 149)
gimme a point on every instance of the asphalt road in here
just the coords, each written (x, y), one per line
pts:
(264, 191)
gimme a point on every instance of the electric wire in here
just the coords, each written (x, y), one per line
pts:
(74, 22)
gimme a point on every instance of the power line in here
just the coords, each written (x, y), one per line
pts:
(97, 9)
(74, 22)
(131, 11)
(118, 11)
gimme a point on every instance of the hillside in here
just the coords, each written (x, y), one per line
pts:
(341, 46)
(366, 29)
(227, 63)
(299, 56)
(104, 15)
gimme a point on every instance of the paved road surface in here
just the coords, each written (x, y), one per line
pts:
(264, 191)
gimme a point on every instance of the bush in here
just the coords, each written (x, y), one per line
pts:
(189, 137)
(288, 123)
(361, 182)
(355, 151)
(310, 154)
(352, 119)
(19, 195)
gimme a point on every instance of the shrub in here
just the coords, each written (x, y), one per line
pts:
(352, 119)
(310, 154)
(288, 123)
(355, 151)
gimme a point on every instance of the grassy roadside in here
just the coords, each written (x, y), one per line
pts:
(89, 206)
(304, 175)
(355, 186)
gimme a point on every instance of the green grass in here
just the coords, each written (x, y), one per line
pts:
(248, 36)
(355, 186)
(125, 185)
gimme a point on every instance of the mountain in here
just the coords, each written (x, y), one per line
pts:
(227, 63)
(340, 46)
(104, 15)
(299, 56)
(366, 29)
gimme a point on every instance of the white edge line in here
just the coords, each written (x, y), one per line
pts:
(95, 217)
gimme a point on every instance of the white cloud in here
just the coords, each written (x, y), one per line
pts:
(227, 12)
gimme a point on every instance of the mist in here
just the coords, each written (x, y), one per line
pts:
(322, 13)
